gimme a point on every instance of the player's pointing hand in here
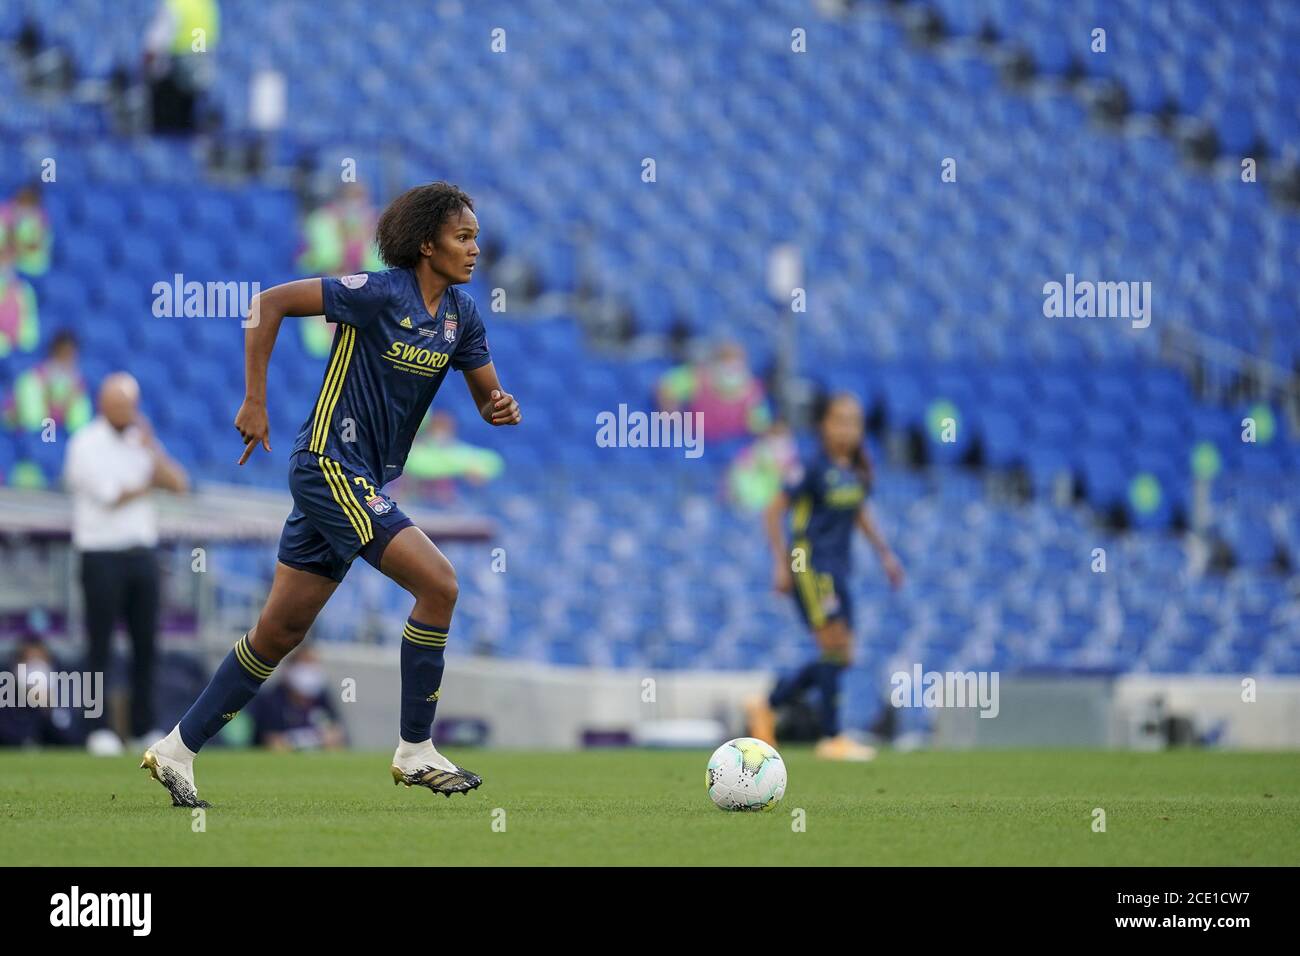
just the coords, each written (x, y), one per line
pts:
(505, 410)
(253, 427)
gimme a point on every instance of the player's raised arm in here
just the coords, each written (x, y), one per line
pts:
(774, 522)
(495, 404)
(301, 297)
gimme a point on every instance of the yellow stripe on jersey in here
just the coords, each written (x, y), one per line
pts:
(338, 486)
(336, 362)
(250, 663)
(351, 341)
(332, 389)
(802, 512)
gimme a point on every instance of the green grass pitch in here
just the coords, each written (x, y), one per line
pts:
(640, 807)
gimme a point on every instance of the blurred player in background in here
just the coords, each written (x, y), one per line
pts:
(399, 332)
(825, 504)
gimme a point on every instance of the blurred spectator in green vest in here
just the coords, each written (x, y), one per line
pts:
(178, 64)
(19, 326)
(438, 458)
(338, 239)
(723, 388)
(24, 225)
(52, 390)
(763, 468)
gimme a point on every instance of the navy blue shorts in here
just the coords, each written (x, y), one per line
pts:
(336, 515)
(822, 597)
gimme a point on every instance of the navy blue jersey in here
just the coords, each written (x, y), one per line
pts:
(824, 505)
(388, 360)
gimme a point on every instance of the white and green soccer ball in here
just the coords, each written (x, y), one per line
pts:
(746, 774)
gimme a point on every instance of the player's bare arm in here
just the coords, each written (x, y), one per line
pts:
(494, 404)
(888, 560)
(773, 522)
(269, 308)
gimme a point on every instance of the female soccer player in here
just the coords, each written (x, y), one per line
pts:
(398, 332)
(825, 503)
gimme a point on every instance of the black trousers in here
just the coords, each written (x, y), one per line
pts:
(173, 100)
(124, 586)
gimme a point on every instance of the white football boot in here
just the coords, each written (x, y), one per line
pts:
(420, 765)
(171, 763)
(844, 748)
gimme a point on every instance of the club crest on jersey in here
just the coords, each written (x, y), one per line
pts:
(449, 324)
(380, 506)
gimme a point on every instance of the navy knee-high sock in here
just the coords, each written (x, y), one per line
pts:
(234, 684)
(828, 691)
(422, 667)
(793, 686)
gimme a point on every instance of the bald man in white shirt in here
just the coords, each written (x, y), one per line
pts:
(113, 465)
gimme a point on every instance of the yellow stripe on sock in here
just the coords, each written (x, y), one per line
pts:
(429, 631)
(245, 656)
(424, 641)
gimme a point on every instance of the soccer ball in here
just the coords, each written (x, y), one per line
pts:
(746, 774)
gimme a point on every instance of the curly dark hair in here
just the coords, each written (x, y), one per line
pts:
(414, 218)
